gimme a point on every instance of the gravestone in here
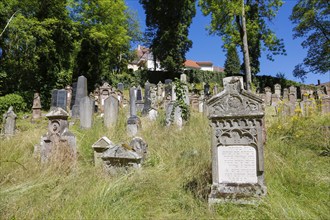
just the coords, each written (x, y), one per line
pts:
(59, 143)
(285, 94)
(68, 90)
(173, 112)
(292, 94)
(207, 90)
(59, 98)
(201, 103)
(268, 96)
(275, 99)
(111, 110)
(36, 107)
(99, 147)
(147, 99)
(105, 92)
(139, 99)
(183, 78)
(120, 87)
(74, 92)
(238, 137)
(277, 89)
(215, 89)
(307, 106)
(81, 92)
(168, 87)
(325, 104)
(9, 120)
(160, 92)
(194, 102)
(86, 112)
(133, 122)
(121, 157)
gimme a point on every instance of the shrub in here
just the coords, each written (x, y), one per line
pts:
(14, 100)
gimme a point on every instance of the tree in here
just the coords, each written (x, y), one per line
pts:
(311, 18)
(167, 27)
(107, 29)
(36, 45)
(228, 22)
(232, 63)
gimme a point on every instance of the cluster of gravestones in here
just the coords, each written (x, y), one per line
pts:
(289, 103)
(237, 131)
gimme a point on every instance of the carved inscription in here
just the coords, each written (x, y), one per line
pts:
(237, 164)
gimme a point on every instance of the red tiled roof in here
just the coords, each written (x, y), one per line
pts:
(191, 64)
(218, 69)
(204, 63)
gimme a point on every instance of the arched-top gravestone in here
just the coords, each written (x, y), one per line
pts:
(238, 138)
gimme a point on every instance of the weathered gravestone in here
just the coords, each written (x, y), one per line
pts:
(59, 98)
(277, 90)
(147, 99)
(168, 87)
(173, 111)
(105, 91)
(268, 96)
(99, 147)
(36, 107)
(120, 157)
(285, 94)
(68, 97)
(238, 137)
(59, 143)
(139, 99)
(81, 92)
(111, 109)
(325, 104)
(9, 120)
(133, 122)
(86, 112)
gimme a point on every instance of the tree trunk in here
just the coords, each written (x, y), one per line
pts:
(246, 51)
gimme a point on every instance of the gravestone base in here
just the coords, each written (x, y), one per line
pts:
(139, 106)
(133, 125)
(243, 193)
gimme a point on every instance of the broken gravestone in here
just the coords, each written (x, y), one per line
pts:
(238, 138)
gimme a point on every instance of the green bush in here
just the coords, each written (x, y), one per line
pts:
(14, 100)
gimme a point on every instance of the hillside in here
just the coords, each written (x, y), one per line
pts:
(174, 181)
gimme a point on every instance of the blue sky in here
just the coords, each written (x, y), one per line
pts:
(208, 48)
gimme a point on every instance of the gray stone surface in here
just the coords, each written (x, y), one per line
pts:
(183, 78)
(86, 112)
(81, 91)
(99, 147)
(147, 99)
(120, 87)
(238, 137)
(9, 120)
(277, 90)
(111, 110)
(69, 92)
(36, 107)
(174, 115)
(133, 122)
(268, 96)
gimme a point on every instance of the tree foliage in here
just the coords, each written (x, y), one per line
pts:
(227, 23)
(232, 63)
(312, 20)
(167, 27)
(48, 44)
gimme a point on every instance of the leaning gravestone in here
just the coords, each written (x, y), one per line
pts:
(238, 137)
(81, 92)
(36, 107)
(59, 143)
(111, 109)
(9, 119)
(86, 112)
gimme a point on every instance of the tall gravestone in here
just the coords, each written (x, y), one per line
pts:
(36, 107)
(139, 99)
(133, 122)
(9, 120)
(147, 99)
(277, 90)
(81, 92)
(111, 109)
(86, 112)
(68, 97)
(238, 138)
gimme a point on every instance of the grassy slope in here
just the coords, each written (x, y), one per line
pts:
(174, 182)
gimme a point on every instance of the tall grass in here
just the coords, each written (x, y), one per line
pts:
(175, 179)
